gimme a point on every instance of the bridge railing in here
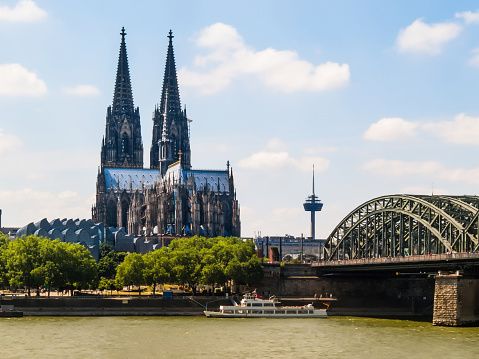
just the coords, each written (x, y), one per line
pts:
(412, 258)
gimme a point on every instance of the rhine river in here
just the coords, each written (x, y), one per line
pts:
(199, 337)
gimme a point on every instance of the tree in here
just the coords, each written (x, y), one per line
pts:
(157, 267)
(131, 271)
(22, 258)
(185, 260)
(245, 267)
(109, 284)
(3, 259)
(108, 261)
(77, 268)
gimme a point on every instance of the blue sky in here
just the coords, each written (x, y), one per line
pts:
(381, 96)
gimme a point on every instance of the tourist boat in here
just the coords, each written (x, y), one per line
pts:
(253, 306)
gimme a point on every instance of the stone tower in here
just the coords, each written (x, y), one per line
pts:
(170, 140)
(122, 146)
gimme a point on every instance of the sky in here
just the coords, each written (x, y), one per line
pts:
(382, 97)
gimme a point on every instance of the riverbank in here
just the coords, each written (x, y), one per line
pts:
(194, 306)
(113, 306)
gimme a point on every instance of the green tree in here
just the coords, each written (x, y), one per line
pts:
(76, 267)
(185, 260)
(245, 267)
(131, 271)
(157, 267)
(3, 259)
(22, 258)
(109, 284)
(108, 261)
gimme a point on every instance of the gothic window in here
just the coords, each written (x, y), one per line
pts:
(111, 220)
(228, 219)
(125, 144)
(124, 213)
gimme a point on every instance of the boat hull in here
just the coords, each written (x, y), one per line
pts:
(316, 314)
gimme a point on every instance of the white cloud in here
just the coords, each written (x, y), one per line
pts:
(82, 90)
(24, 11)
(275, 160)
(231, 58)
(463, 129)
(18, 81)
(391, 129)
(395, 168)
(474, 60)
(265, 160)
(420, 37)
(469, 16)
(8, 142)
(399, 168)
(276, 144)
(29, 205)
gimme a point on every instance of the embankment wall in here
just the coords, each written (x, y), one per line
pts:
(121, 306)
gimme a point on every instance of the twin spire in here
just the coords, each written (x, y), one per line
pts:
(123, 146)
(123, 96)
(170, 82)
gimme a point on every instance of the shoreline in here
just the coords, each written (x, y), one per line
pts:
(97, 306)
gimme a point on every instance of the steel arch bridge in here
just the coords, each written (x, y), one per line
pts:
(404, 225)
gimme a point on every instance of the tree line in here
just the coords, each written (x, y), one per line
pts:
(35, 262)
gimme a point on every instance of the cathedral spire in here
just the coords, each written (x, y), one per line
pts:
(122, 145)
(170, 124)
(123, 97)
(170, 81)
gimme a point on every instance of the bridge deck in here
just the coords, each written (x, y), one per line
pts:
(438, 261)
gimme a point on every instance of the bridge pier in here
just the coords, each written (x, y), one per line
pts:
(455, 301)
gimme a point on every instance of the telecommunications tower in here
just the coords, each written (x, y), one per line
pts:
(313, 205)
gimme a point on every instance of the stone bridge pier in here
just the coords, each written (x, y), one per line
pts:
(456, 300)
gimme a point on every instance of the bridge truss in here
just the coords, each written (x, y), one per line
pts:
(403, 225)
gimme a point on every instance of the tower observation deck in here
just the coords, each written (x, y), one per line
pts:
(313, 204)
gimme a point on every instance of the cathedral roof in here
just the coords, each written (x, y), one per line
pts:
(123, 178)
(212, 179)
(123, 96)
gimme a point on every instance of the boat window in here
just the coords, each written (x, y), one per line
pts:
(256, 304)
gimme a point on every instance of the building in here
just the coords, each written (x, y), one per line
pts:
(169, 198)
(10, 231)
(290, 247)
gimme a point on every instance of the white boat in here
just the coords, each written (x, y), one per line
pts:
(252, 306)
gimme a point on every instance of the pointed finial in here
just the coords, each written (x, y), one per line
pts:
(123, 33)
(170, 35)
(228, 166)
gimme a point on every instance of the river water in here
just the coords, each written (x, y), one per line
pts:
(199, 337)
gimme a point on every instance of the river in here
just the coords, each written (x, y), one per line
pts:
(199, 337)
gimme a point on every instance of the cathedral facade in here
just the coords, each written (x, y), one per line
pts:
(169, 198)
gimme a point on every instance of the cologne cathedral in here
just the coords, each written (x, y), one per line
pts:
(169, 198)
